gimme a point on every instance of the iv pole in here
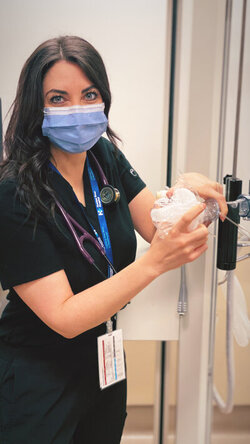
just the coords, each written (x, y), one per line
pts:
(232, 190)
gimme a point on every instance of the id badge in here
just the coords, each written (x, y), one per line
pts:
(111, 359)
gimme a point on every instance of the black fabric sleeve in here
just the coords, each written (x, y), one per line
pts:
(26, 253)
(132, 183)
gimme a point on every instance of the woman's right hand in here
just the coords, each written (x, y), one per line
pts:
(180, 245)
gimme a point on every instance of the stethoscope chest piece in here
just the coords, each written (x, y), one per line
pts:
(109, 195)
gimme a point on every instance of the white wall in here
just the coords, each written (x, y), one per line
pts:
(130, 35)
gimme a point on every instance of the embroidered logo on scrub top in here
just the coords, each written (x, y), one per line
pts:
(133, 172)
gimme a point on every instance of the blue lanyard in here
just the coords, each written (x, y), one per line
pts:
(101, 217)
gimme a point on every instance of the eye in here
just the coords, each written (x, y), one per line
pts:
(91, 95)
(56, 100)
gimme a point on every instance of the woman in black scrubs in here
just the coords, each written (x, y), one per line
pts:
(58, 302)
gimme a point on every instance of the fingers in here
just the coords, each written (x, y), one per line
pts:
(223, 207)
(218, 187)
(194, 248)
(181, 245)
(199, 236)
(214, 190)
(188, 217)
(170, 192)
(197, 252)
(205, 188)
(218, 196)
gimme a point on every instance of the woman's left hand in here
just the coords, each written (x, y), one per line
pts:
(206, 189)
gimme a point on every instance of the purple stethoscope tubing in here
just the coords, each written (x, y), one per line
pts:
(85, 236)
(100, 170)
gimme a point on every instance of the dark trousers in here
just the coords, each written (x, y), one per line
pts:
(56, 399)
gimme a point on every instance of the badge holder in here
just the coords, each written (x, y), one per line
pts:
(110, 357)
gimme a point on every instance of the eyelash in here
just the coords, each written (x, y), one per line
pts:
(54, 100)
(91, 92)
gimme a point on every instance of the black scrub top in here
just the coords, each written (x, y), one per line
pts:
(27, 253)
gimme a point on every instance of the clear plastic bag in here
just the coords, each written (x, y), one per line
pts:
(167, 211)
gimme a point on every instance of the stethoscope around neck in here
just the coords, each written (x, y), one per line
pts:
(108, 194)
(85, 236)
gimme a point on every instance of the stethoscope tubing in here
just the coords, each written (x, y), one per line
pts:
(85, 236)
(100, 170)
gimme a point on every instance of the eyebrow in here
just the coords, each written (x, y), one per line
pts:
(60, 91)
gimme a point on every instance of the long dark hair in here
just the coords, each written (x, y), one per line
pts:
(27, 151)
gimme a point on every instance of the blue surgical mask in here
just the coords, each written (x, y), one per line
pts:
(74, 129)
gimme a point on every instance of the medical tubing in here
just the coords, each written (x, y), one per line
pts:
(242, 230)
(227, 406)
(242, 258)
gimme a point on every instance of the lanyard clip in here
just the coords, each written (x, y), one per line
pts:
(109, 326)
